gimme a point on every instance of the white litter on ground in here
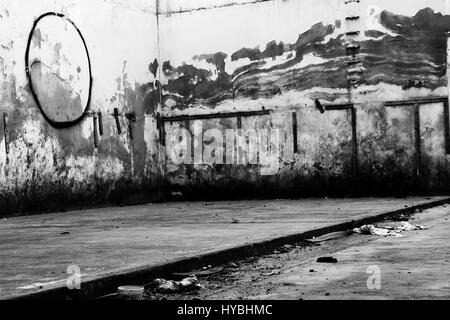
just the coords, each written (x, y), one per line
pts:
(171, 286)
(388, 231)
(406, 226)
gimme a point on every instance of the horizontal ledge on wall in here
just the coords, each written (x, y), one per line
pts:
(416, 101)
(215, 115)
(333, 107)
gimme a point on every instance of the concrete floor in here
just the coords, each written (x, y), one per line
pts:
(35, 251)
(414, 267)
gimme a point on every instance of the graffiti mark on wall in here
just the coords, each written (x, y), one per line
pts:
(58, 69)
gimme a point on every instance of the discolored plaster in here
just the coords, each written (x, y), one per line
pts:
(271, 61)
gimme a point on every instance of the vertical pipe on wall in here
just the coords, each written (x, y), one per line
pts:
(100, 123)
(94, 119)
(116, 117)
(354, 142)
(130, 128)
(5, 132)
(187, 126)
(417, 140)
(294, 132)
(161, 129)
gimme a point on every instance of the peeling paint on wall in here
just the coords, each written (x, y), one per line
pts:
(98, 138)
(364, 54)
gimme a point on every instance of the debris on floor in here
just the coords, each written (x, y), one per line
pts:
(329, 236)
(389, 231)
(327, 260)
(171, 286)
(235, 220)
(271, 273)
(199, 274)
(370, 229)
(406, 226)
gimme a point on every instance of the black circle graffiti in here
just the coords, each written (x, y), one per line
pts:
(56, 124)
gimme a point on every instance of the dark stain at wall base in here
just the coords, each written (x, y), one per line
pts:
(308, 187)
(53, 198)
(129, 193)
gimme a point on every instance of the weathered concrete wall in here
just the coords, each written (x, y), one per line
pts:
(277, 55)
(222, 56)
(90, 115)
(52, 157)
(403, 53)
